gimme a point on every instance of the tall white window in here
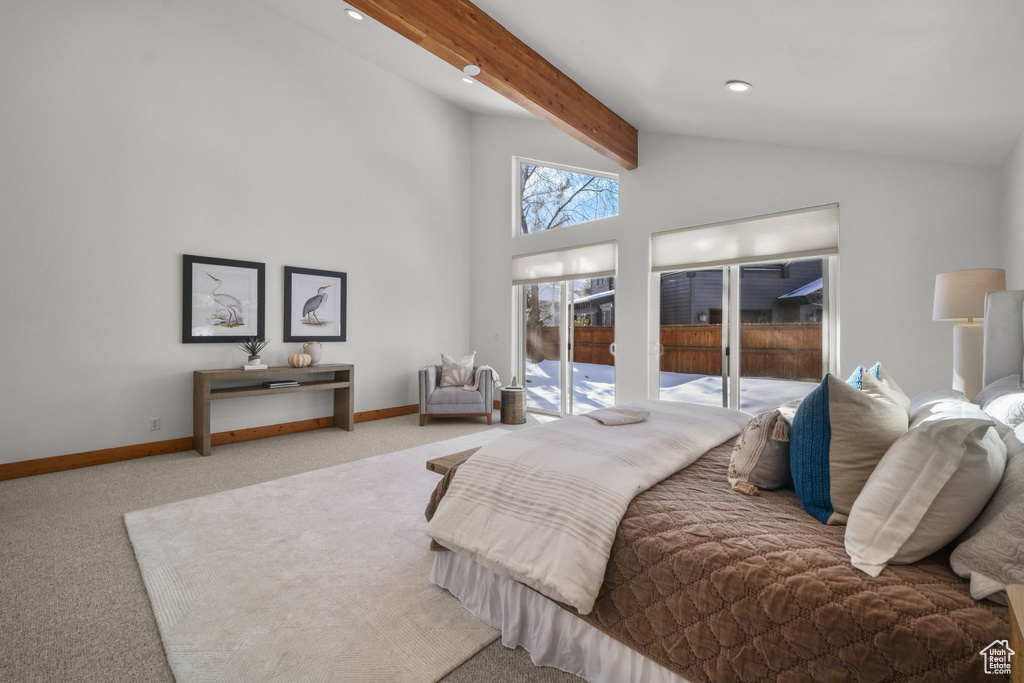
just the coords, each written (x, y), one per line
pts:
(550, 196)
(745, 312)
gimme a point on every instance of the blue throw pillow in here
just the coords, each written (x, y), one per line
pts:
(809, 439)
(838, 435)
(857, 378)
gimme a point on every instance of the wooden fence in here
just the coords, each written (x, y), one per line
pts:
(780, 350)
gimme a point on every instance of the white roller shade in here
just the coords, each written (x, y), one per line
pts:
(574, 263)
(786, 235)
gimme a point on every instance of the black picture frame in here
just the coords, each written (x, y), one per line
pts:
(190, 291)
(338, 303)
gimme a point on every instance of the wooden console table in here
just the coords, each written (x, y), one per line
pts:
(203, 393)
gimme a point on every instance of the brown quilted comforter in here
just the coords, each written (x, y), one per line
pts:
(718, 586)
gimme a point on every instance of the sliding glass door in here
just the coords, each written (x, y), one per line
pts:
(692, 364)
(544, 341)
(749, 336)
(592, 344)
(568, 345)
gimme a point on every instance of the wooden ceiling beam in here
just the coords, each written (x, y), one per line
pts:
(460, 33)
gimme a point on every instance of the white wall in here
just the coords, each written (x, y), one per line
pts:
(1013, 215)
(901, 222)
(132, 131)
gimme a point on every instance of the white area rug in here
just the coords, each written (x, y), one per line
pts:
(322, 576)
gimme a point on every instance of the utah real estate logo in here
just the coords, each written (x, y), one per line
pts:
(997, 657)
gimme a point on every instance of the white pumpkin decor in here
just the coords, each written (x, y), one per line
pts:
(299, 360)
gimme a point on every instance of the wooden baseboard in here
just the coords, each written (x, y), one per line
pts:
(387, 412)
(59, 463)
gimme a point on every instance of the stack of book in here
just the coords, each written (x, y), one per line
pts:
(280, 383)
(254, 365)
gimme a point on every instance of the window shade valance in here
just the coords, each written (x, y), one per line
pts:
(574, 263)
(786, 235)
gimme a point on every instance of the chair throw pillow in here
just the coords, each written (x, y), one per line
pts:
(457, 373)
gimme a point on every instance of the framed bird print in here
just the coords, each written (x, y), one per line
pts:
(314, 304)
(221, 300)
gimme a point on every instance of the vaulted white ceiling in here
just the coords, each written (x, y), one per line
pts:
(932, 79)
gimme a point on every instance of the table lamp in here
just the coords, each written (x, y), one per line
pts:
(960, 296)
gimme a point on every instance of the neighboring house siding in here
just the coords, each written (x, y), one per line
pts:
(602, 284)
(687, 294)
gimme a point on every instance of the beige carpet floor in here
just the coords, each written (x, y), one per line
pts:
(72, 603)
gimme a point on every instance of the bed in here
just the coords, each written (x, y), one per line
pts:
(706, 584)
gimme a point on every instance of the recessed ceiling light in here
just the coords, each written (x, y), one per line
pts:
(471, 70)
(738, 86)
(354, 14)
(467, 79)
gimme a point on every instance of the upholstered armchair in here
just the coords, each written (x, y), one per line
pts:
(438, 401)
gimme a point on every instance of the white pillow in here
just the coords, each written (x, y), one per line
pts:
(457, 373)
(991, 551)
(888, 389)
(1010, 383)
(932, 398)
(928, 488)
(1004, 400)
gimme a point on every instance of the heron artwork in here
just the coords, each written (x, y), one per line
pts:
(313, 304)
(232, 305)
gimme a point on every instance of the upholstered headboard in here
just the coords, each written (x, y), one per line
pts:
(1004, 335)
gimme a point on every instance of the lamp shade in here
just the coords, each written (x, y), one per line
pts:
(960, 295)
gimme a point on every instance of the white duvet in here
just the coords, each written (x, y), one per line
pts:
(542, 505)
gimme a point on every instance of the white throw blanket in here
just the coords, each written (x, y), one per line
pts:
(542, 505)
(476, 378)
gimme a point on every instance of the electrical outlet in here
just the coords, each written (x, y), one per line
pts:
(497, 337)
(154, 424)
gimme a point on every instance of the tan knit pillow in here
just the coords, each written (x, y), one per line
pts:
(760, 458)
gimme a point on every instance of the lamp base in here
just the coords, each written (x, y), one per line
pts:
(968, 341)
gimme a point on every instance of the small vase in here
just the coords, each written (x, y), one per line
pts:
(254, 360)
(313, 349)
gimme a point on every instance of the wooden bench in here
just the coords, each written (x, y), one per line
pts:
(446, 462)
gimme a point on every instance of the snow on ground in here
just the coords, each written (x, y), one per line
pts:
(757, 394)
(594, 387)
